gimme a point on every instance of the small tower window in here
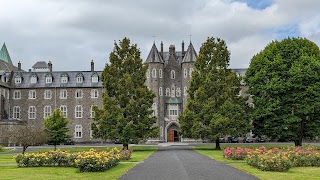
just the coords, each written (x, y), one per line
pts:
(190, 72)
(167, 92)
(173, 74)
(160, 91)
(148, 73)
(185, 92)
(178, 92)
(154, 73)
(185, 73)
(160, 73)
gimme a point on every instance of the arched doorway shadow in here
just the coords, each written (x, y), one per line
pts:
(171, 132)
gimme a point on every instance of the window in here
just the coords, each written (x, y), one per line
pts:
(32, 94)
(79, 78)
(167, 92)
(64, 110)
(33, 79)
(160, 73)
(78, 93)
(173, 109)
(178, 92)
(148, 73)
(48, 79)
(16, 112)
(154, 73)
(160, 91)
(94, 78)
(173, 92)
(161, 131)
(63, 94)
(173, 74)
(154, 108)
(64, 78)
(92, 113)
(78, 111)
(94, 93)
(78, 131)
(46, 111)
(185, 92)
(47, 94)
(16, 94)
(185, 73)
(17, 79)
(190, 72)
(32, 112)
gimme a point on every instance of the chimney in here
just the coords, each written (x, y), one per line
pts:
(92, 66)
(50, 66)
(29, 70)
(19, 66)
(183, 49)
(172, 50)
(161, 49)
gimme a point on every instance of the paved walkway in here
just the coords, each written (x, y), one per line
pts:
(182, 163)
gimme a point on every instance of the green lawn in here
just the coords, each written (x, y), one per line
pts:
(297, 173)
(12, 172)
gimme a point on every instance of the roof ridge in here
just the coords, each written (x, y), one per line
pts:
(4, 54)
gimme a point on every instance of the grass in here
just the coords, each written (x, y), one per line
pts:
(12, 172)
(296, 173)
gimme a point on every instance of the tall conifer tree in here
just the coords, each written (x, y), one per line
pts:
(127, 102)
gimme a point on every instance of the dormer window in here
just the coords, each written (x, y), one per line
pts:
(33, 79)
(64, 78)
(79, 78)
(48, 78)
(17, 79)
(94, 78)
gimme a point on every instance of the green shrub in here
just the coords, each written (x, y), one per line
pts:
(1, 148)
(125, 154)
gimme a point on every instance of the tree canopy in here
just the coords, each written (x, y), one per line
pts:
(127, 102)
(56, 128)
(214, 107)
(284, 80)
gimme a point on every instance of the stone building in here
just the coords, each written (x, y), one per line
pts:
(30, 96)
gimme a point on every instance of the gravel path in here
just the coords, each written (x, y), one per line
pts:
(181, 162)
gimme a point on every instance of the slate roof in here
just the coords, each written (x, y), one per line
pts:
(40, 64)
(154, 55)
(56, 79)
(191, 54)
(4, 54)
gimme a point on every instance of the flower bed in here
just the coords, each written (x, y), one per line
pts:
(236, 153)
(86, 161)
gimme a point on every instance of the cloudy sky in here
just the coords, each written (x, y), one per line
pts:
(72, 32)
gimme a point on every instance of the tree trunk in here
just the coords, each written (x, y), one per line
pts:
(24, 148)
(298, 141)
(218, 144)
(55, 146)
(125, 147)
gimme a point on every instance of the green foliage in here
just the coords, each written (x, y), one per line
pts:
(1, 148)
(127, 102)
(56, 127)
(214, 108)
(284, 80)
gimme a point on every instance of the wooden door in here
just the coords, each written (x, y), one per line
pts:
(171, 136)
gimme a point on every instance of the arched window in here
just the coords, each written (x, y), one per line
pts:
(16, 112)
(178, 92)
(167, 92)
(33, 79)
(79, 93)
(185, 73)
(185, 92)
(190, 72)
(173, 92)
(64, 78)
(17, 79)
(154, 73)
(160, 73)
(16, 94)
(148, 73)
(154, 108)
(78, 111)
(160, 91)
(94, 78)
(94, 93)
(46, 111)
(48, 78)
(64, 110)
(32, 112)
(161, 131)
(78, 131)
(173, 74)
(79, 78)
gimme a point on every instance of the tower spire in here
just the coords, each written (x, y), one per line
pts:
(4, 54)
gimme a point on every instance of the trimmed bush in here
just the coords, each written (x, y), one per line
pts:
(125, 154)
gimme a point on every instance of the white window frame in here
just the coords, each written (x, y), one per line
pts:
(178, 92)
(32, 112)
(78, 131)
(33, 79)
(48, 79)
(79, 79)
(63, 94)
(173, 110)
(94, 93)
(16, 94)
(47, 94)
(190, 72)
(185, 73)
(79, 93)
(64, 79)
(168, 92)
(47, 111)
(78, 111)
(32, 94)
(160, 91)
(172, 74)
(92, 113)
(185, 91)
(17, 79)
(148, 73)
(16, 112)
(154, 73)
(64, 110)
(160, 73)
(94, 78)
(173, 91)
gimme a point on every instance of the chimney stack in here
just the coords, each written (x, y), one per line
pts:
(92, 66)
(19, 66)
(183, 49)
(161, 49)
(172, 50)
(50, 66)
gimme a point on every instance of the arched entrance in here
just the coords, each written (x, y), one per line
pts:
(171, 131)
